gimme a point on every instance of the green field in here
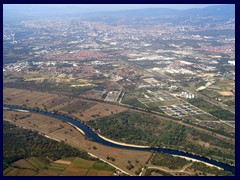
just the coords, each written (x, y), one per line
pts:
(39, 163)
(212, 109)
(77, 107)
(57, 167)
(74, 166)
(134, 102)
(82, 163)
(205, 117)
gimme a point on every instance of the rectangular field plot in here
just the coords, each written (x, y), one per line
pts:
(82, 163)
(18, 172)
(181, 110)
(77, 106)
(94, 94)
(45, 172)
(57, 167)
(71, 171)
(23, 163)
(104, 173)
(32, 98)
(205, 117)
(39, 163)
(92, 172)
(101, 110)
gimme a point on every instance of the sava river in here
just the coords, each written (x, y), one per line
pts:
(94, 137)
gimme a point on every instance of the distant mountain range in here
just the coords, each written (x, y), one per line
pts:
(217, 13)
(191, 16)
(224, 11)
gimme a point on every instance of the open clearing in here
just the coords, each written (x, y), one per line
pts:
(101, 110)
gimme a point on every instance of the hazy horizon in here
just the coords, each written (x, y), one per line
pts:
(103, 7)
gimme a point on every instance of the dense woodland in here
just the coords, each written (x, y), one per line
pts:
(162, 159)
(140, 128)
(21, 143)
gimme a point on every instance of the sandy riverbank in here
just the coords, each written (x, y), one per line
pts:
(81, 131)
(124, 144)
(195, 160)
(51, 138)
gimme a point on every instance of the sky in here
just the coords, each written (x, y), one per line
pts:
(110, 7)
(131, 6)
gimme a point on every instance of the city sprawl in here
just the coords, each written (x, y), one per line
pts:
(170, 78)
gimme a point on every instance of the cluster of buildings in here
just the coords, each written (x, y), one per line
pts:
(178, 71)
(187, 95)
(17, 67)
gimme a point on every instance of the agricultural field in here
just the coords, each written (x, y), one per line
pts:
(131, 99)
(55, 85)
(76, 106)
(205, 117)
(223, 85)
(216, 111)
(34, 121)
(38, 163)
(31, 98)
(24, 163)
(74, 166)
(82, 109)
(12, 171)
(101, 110)
(223, 91)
